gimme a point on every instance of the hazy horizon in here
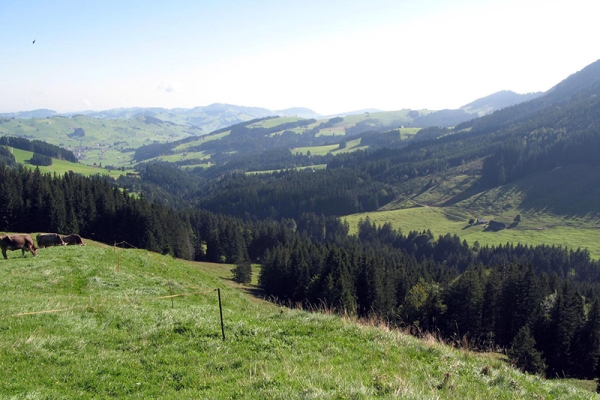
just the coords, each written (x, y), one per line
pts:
(331, 57)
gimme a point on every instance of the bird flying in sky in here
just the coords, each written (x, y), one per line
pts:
(33, 41)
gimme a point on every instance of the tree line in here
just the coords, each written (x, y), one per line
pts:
(39, 147)
(510, 296)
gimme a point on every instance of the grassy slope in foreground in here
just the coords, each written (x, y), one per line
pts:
(109, 332)
(535, 230)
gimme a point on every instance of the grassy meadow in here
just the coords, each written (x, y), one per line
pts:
(61, 166)
(534, 229)
(351, 145)
(98, 322)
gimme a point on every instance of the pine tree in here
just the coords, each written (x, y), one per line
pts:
(523, 353)
(586, 345)
(242, 272)
(465, 302)
(566, 317)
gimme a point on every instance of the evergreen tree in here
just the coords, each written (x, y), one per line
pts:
(518, 301)
(337, 283)
(242, 272)
(523, 353)
(566, 318)
(465, 303)
(586, 345)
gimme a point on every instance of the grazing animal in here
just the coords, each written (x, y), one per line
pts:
(49, 239)
(73, 239)
(16, 242)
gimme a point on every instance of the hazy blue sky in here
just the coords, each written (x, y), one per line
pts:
(330, 56)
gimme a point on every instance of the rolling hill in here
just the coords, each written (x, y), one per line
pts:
(97, 141)
(111, 136)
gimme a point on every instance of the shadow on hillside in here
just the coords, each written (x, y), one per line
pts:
(470, 192)
(570, 191)
(250, 289)
(254, 291)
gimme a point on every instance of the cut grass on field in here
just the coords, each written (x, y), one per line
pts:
(98, 322)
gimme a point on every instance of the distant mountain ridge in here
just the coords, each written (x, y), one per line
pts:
(40, 113)
(498, 100)
(219, 115)
(478, 108)
(208, 118)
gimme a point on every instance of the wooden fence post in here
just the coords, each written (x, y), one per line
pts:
(171, 290)
(221, 311)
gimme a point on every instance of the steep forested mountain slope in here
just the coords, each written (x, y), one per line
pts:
(558, 129)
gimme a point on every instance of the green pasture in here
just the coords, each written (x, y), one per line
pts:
(315, 150)
(351, 145)
(103, 140)
(272, 122)
(377, 119)
(203, 139)
(108, 156)
(103, 322)
(406, 133)
(534, 229)
(333, 131)
(60, 166)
